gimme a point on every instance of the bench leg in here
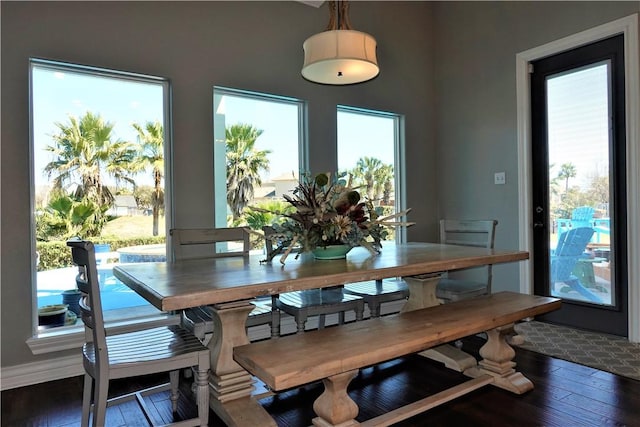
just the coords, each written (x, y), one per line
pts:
(498, 362)
(422, 294)
(334, 407)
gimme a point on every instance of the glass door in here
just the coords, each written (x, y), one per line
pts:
(579, 185)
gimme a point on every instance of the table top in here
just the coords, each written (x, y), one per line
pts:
(184, 284)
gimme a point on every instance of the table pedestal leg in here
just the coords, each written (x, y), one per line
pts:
(230, 385)
(422, 294)
(498, 362)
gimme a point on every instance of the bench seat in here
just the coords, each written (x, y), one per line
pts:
(335, 355)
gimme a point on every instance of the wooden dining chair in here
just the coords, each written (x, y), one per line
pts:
(313, 302)
(199, 243)
(154, 350)
(462, 284)
(377, 292)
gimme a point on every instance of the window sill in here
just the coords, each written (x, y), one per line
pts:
(71, 337)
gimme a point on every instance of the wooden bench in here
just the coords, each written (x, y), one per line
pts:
(335, 355)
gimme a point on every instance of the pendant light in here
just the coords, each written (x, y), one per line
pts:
(340, 55)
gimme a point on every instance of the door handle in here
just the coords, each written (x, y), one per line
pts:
(538, 225)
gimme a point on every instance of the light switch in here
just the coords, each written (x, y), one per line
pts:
(499, 178)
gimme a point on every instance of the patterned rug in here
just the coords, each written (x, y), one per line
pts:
(605, 352)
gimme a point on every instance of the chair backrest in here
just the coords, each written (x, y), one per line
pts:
(84, 256)
(196, 243)
(582, 217)
(571, 247)
(477, 233)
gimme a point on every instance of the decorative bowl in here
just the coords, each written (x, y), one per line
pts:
(331, 252)
(52, 315)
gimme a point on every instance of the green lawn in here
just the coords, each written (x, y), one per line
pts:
(132, 226)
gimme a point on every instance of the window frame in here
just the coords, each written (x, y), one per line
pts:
(66, 337)
(303, 146)
(400, 202)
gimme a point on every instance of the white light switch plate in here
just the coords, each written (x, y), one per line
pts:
(499, 178)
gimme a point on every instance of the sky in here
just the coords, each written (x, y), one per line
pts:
(578, 128)
(60, 95)
(358, 134)
(578, 123)
(57, 96)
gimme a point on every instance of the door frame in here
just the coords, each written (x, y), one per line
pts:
(629, 27)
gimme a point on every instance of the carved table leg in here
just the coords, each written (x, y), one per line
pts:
(498, 362)
(334, 407)
(230, 385)
(422, 294)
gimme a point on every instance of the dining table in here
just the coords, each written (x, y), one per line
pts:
(229, 284)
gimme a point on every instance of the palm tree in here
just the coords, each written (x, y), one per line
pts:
(384, 176)
(567, 170)
(151, 154)
(244, 164)
(375, 176)
(84, 149)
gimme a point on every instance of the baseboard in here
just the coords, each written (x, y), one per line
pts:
(71, 366)
(40, 372)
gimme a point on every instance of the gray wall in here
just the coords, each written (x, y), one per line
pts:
(447, 66)
(247, 45)
(475, 48)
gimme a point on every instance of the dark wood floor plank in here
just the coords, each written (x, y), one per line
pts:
(565, 394)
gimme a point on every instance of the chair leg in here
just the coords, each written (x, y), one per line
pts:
(101, 391)
(360, 311)
(300, 322)
(275, 318)
(374, 308)
(202, 380)
(275, 325)
(321, 321)
(86, 400)
(174, 380)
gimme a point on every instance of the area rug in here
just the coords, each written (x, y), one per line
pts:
(605, 352)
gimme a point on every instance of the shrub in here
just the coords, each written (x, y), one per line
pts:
(56, 254)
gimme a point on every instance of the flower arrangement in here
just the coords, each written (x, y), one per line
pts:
(326, 211)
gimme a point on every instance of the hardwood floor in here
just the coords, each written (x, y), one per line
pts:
(565, 394)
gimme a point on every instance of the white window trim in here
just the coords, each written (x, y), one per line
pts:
(400, 177)
(303, 130)
(629, 27)
(64, 338)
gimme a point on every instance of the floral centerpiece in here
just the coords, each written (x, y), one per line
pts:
(325, 212)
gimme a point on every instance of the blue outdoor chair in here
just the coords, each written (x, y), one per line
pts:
(580, 217)
(571, 247)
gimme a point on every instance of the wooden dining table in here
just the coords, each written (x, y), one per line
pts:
(229, 284)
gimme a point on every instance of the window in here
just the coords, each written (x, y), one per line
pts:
(257, 156)
(99, 144)
(370, 150)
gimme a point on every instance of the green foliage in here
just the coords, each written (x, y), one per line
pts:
(144, 196)
(244, 163)
(56, 254)
(330, 214)
(66, 216)
(151, 154)
(596, 195)
(374, 178)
